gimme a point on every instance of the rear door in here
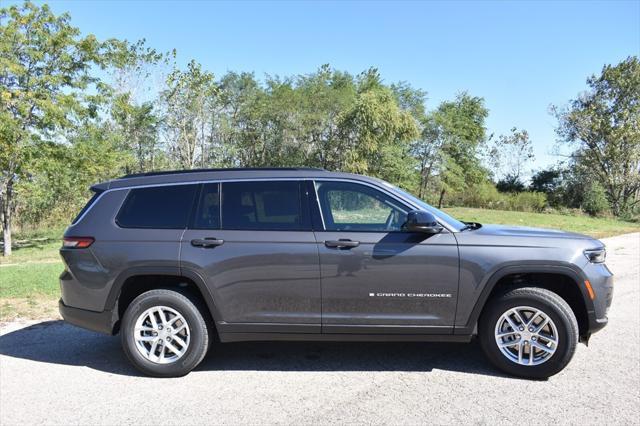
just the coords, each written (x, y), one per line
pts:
(253, 244)
(377, 278)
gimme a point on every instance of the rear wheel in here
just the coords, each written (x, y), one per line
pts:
(164, 334)
(529, 332)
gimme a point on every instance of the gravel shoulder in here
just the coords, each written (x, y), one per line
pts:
(53, 373)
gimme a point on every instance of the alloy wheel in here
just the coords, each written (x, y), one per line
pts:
(162, 335)
(526, 335)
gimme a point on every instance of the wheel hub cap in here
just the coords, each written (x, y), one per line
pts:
(526, 335)
(162, 335)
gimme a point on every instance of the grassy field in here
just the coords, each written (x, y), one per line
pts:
(29, 289)
(595, 227)
(29, 278)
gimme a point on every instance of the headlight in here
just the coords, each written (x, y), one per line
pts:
(596, 255)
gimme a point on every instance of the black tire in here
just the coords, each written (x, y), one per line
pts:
(552, 305)
(199, 333)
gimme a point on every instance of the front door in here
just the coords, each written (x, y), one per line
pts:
(253, 244)
(377, 278)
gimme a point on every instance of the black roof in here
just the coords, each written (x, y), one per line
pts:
(231, 169)
(202, 175)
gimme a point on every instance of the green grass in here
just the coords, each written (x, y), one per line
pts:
(37, 246)
(29, 290)
(595, 227)
(32, 279)
(41, 252)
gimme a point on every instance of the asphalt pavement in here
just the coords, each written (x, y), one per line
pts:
(54, 373)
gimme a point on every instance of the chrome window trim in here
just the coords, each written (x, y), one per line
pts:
(297, 178)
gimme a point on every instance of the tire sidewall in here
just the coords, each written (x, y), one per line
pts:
(197, 327)
(560, 358)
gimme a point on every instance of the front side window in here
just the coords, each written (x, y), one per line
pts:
(161, 207)
(277, 205)
(353, 207)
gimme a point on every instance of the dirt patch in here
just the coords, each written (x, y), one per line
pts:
(17, 308)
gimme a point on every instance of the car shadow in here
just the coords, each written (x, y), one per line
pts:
(60, 343)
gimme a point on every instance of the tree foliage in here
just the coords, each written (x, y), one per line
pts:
(75, 110)
(604, 125)
(510, 156)
(449, 147)
(45, 76)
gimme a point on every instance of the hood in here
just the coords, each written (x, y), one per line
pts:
(525, 231)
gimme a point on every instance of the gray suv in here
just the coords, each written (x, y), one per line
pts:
(177, 260)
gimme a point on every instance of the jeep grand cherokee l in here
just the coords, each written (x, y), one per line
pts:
(176, 260)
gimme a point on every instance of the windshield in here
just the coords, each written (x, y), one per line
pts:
(454, 223)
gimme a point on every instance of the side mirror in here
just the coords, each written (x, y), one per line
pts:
(422, 221)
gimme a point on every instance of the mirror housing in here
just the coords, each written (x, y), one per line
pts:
(422, 221)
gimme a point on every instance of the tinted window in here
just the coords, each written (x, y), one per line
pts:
(354, 207)
(164, 207)
(264, 205)
(208, 212)
(87, 206)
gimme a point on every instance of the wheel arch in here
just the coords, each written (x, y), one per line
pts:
(128, 277)
(525, 275)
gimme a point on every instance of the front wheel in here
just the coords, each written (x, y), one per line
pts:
(164, 334)
(529, 332)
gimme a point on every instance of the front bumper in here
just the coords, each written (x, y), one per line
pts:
(102, 322)
(601, 280)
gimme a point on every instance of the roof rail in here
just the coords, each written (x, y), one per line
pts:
(232, 169)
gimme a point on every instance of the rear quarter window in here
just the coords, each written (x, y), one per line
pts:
(162, 207)
(87, 206)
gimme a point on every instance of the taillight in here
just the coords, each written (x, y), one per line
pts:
(77, 242)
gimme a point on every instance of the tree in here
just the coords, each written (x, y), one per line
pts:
(578, 188)
(603, 124)
(510, 155)
(450, 143)
(549, 181)
(238, 95)
(377, 132)
(189, 99)
(60, 176)
(137, 129)
(427, 150)
(133, 98)
(326, 119)
(44, 75)
(510, 183)
(324, 97)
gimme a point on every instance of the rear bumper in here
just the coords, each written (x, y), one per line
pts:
(102, 322)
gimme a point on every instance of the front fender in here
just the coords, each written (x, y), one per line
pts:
(473, 298)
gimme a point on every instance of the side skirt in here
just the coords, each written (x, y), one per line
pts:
(338, 337)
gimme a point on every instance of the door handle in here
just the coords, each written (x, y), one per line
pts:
(207, 242)
(346, 244)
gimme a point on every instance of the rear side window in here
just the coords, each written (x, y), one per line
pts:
(279, 205)
(208, 212)
(87, 206)
(162, 207)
